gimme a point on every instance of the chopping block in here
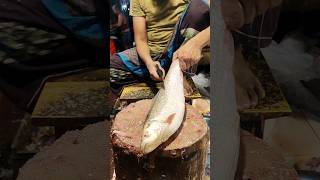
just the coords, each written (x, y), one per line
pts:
(182, 157)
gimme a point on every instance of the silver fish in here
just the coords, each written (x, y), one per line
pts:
(167, 111)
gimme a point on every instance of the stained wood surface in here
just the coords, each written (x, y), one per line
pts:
(67, 101)
(79, 98)
(128, 127)
(274, 103)
(182, 157)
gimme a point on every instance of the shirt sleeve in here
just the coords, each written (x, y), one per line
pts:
(136, 8)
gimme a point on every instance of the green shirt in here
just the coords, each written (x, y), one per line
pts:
(161, 17)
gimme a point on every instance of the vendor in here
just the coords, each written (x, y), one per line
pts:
(163, 31)
(179, 30)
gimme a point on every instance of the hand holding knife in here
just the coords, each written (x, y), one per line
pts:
(160, 71)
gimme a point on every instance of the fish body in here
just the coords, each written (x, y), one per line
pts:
(167, 111)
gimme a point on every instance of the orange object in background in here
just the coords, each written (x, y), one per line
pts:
(113, 48)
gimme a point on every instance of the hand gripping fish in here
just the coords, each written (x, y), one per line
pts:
(167, 111)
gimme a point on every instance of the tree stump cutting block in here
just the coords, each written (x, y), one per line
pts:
(182, 157)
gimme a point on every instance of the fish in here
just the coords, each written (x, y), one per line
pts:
(167, 111)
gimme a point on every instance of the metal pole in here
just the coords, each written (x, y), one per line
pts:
(225, 126)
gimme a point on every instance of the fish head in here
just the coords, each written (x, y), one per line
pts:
(152, 136)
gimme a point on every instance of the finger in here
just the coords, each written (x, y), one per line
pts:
(198, 58)
(163, 72)
(262, 6)
(157, 63)
(259, 90)
(182, 65)
(154, 75)
(243, 100)
(193, 68)
(161, 69)
(158, 78)
(152, 78)
(189, 63)
(253, 97)
(185, 61)
(155, 78)
(246, 101)
(249, 10)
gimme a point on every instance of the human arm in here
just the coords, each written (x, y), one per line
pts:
(190, 53)
(141, 40)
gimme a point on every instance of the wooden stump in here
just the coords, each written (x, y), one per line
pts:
(181, 157)
(258, 160)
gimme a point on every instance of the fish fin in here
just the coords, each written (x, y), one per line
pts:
(170, 118)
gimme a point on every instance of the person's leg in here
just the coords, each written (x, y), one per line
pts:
(127, 68)
(120, 74)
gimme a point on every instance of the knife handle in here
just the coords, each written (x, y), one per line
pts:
(160, 72)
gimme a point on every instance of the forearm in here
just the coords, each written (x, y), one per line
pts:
(143, 51)
(202, 39)
(141, 39)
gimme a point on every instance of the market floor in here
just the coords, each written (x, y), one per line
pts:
(296, 137)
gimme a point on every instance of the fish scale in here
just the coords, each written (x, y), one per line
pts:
(167, 111)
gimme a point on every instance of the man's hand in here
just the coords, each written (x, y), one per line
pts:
(240, 12)
(188, 55)
(153, 66)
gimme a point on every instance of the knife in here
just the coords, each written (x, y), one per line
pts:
(160, 71)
